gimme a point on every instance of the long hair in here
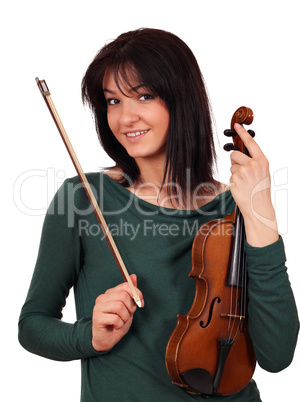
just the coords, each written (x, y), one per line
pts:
(164, 64)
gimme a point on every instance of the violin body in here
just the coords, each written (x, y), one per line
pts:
(196, 346)
(210, 351)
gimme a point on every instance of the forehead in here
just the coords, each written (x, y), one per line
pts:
(109, 80)
(125, 81)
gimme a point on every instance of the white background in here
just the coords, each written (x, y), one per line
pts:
(248, 52)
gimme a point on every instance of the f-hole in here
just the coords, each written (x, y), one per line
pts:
(210, 312)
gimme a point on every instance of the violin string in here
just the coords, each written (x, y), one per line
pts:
(242, 292)
(244, 284)
(240, 302)
(235, 314)
(245, 289)
(231, 319)
(230, 327)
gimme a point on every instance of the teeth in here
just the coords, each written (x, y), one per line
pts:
(136, 133)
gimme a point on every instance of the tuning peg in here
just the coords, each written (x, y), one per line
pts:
(252, 133)
(230, 147)
(230, 133)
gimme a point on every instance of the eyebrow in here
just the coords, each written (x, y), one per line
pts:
(108, 90)
(132, 89)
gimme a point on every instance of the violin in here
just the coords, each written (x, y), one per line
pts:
(210, 351)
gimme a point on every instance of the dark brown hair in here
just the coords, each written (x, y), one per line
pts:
(165, 65)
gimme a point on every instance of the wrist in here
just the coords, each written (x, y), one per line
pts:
(261, 230)
(99, 347)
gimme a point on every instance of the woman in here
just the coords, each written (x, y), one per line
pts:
(152, 116)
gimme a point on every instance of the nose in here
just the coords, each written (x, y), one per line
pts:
(129, 113)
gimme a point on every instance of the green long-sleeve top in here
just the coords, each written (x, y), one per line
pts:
(155, 244)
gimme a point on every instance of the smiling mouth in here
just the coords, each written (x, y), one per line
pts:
(136, 134)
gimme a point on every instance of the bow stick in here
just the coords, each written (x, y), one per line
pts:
(112, 245)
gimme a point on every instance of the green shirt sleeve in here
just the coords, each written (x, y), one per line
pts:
(273, 317)
(41, 330)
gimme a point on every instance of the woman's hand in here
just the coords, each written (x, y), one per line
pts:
(250, 185)
(113, 315)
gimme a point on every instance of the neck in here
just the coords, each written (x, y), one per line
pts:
(150, 187)
(151, 171)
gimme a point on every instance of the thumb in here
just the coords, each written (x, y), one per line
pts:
(133, 278)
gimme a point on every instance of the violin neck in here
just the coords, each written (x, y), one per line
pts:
(237, 258)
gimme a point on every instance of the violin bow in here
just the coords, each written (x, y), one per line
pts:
(112, 245)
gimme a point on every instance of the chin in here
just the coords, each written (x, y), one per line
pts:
(146, 154)
(138, 154)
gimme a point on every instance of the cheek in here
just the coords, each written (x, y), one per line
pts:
(161, 116)
(111, 122)
(165, 121)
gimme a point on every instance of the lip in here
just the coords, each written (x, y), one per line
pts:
(137, 137)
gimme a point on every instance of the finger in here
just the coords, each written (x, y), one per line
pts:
(109, 304)
(124, 286)
(134, 279)
(250, 143)
(110, 319)
(234, 168)
(105, 307)
(239, 158)
(119, 309)
(120, 294)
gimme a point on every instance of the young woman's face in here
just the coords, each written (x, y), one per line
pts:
(138, 120)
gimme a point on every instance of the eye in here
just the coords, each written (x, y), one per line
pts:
(146, 97)
(112, 101)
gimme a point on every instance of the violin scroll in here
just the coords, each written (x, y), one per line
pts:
(243, 115)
